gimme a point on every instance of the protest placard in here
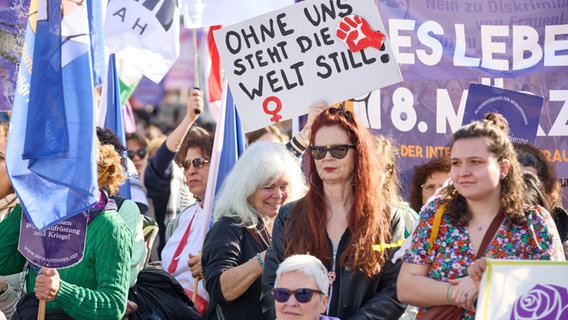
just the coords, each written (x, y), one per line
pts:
(523, 289)
(59, 246)
(281, 62)
(522, 110)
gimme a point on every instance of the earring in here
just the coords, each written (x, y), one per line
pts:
(502, 176)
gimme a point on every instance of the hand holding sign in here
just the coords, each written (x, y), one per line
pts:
(47, 284)
(357, 34)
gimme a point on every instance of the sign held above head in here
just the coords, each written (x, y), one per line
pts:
(280, 62)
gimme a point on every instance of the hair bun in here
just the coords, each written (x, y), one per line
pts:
(498, 120)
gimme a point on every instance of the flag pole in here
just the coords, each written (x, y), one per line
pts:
(41, 310)
(196, 85)
(195, 60)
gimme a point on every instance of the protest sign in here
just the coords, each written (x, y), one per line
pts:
(522, 110)
(279, 63)
(523, 289)
(58, 246)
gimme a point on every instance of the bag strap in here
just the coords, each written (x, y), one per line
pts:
(490, 234)
(436, 226)
(261, 238)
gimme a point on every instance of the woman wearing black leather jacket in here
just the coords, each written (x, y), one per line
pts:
(265, 178)
(343, 221)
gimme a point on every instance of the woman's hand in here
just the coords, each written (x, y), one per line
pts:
(464, 293)
(476, 270)
(194, 103)
(313, 111)
(47, 284)
(194, 264)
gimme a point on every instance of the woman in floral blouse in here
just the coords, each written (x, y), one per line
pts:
(487, 180)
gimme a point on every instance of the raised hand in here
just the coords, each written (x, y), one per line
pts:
(357, 34)
(195, 102)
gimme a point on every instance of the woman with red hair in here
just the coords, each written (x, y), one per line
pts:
(343, 221)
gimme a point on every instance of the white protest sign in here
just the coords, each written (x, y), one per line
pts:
(281, 62)
(522, 290)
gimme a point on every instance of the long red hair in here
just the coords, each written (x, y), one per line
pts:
(368, 221)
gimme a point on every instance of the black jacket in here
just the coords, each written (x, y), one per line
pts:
(353, 296)
(227, 246)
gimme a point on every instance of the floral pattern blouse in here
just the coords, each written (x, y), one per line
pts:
(452, 251)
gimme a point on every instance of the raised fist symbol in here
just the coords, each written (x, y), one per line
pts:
(357, 34)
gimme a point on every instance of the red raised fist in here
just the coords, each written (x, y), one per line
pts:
(357, 34)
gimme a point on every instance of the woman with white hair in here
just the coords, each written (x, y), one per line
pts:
(265, 178)
(300, 290)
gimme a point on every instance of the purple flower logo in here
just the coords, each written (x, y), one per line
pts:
(543, 302)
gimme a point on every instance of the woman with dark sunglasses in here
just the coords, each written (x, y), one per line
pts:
(163, 179)
(184, 235)
(266, 177)
(339, 221)
(137, 145)
(300, 291)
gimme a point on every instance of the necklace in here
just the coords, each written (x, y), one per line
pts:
(480, 227)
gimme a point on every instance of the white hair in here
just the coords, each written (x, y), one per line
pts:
(261, 164)
(308, 265)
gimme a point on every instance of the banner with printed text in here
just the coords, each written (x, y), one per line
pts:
(444, 46)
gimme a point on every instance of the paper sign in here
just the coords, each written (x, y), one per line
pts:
(59, 246)
(279, 63)
(522, 110)
(523, 289)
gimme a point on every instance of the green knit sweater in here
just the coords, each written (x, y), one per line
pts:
(96, 287)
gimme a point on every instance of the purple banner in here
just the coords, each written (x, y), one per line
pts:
(13, 18)
(59, 246)
(443, 46)
(489, 38)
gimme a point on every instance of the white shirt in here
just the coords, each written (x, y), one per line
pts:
(194, 244)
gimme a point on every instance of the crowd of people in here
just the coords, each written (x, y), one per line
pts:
(310, 226)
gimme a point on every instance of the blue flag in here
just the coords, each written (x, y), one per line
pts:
(51, 154)
(113, 119)
(234, 141)
(97, 39)
(228, 146)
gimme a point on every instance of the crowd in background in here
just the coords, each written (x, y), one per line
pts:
(311, 225)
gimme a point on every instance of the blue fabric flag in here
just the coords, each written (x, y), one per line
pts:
(95, 12)
(228, 146)
(51, 151)
(234, 141)
(113, 119)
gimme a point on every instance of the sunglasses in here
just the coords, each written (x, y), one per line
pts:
(303, 295)
(338, 151)
(141, 153)
(198, 163)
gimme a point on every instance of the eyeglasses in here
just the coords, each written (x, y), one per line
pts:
(198, 163)
(430, 187)
(303, 295)
(141, 153)
(338, 151)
